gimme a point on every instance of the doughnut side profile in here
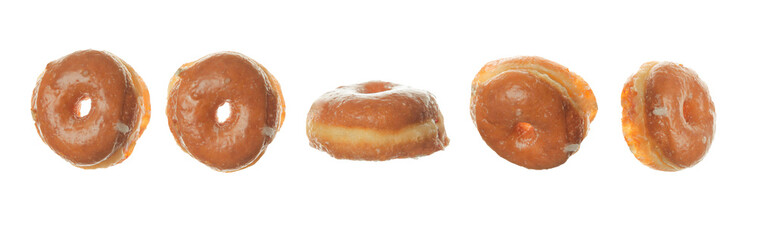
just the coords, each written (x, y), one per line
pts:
(531, 111)
(376, 121)
(668, 116)
(256, 104)
(119, 112)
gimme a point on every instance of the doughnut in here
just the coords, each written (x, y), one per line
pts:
(376, 121)
(668, 116)
(531, 111)
(256, 112)
(119, 112)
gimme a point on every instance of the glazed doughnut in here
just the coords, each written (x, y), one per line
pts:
(668, 116)
(376, 121)
(531, 111)
(119, 113)
(256, 104)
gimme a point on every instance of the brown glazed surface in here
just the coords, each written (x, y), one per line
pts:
(374, 105)
(256, 110)
(531, 111)
(120, 108)
(671, 125)
(376, 121)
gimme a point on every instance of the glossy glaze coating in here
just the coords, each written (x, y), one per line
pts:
(376, 121)
(256, 110)
(119, 113)
(668, 116)
(531, 111)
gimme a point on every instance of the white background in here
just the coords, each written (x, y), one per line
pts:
(463, 192)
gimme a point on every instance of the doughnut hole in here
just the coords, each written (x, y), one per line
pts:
(83, 107)
(223, 112)
(693, 107)
(525, 134)
(375, 87)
